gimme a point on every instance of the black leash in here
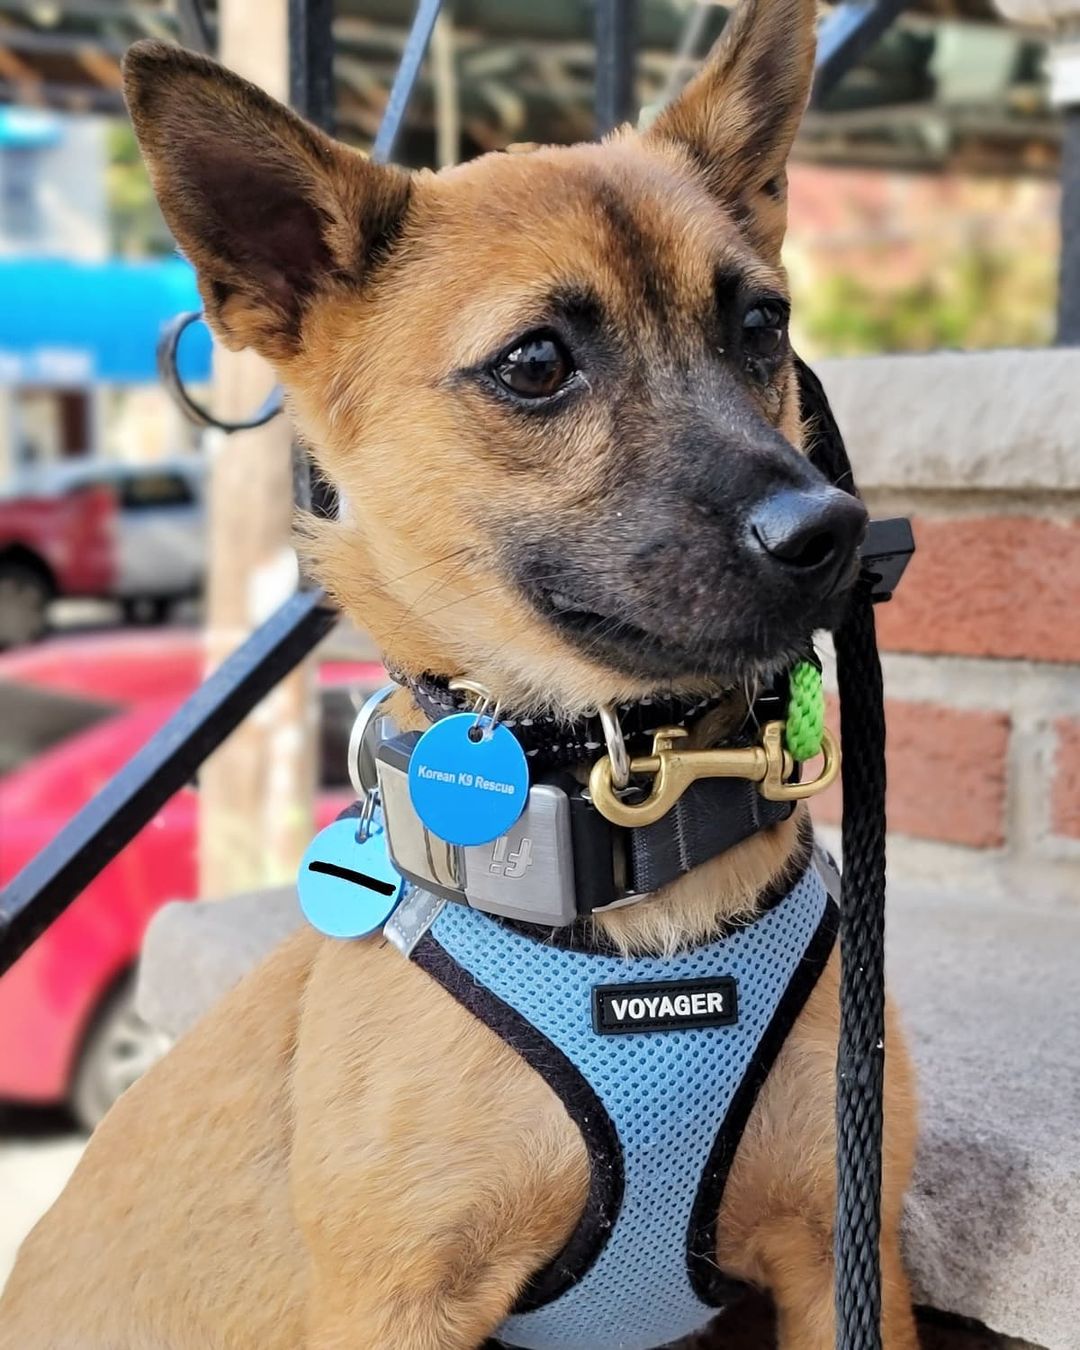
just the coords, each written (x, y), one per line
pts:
(861, 1058)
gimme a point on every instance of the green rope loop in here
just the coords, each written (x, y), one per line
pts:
(806, 712)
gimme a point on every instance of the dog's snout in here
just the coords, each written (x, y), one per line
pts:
(812, 533)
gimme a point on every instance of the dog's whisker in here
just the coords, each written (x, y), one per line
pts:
(434, 585)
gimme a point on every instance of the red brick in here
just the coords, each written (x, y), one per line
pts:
(1065, 789)
(946, 774)
(1006, 586)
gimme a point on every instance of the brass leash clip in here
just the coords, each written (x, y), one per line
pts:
(768, 765)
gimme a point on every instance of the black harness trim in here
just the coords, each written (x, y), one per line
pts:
(586, 1110)
(710, 1284)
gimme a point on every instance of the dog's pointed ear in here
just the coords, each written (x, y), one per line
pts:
(738, 117)
(269, 210)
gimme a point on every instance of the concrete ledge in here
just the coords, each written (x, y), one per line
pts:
(195, 952)
(1000, 420)
(991, 1000)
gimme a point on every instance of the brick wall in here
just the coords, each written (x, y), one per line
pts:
(981, 646)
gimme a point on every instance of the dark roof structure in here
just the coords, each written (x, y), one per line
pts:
(949, 86)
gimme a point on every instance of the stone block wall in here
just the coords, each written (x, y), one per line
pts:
(981, 646)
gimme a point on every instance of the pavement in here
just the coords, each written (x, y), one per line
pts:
(38, 1153)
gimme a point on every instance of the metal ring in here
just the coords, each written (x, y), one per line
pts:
(167, 357)
(462, 685)
(361, 754)
(484, 700)
(367, 815)
(616, 746)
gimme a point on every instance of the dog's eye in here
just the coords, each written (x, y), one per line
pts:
(764, 329)
(537, 367)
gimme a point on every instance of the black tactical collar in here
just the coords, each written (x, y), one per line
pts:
(553, 743)
(612, 864)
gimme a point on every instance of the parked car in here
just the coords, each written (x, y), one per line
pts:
(127, 532)
(51, 545)
(72, 712)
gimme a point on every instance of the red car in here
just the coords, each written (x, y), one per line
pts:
(131, 533)
(73, 712)
(50, 545)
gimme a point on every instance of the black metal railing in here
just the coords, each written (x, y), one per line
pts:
(55, 877)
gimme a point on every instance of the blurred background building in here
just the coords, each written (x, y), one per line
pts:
(923, 199)
(925, 208)
(81, 304)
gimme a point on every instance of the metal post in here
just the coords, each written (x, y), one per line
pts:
(194, 30)
(408, 69)
(311, 60)
(616, 48)
(847, 34)
(311, 92)
(1062, 19)
(1068, 334)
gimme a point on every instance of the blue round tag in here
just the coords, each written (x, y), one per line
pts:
(348, 889)
(468, 791)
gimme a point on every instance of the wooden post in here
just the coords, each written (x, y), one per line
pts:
(447, 93)
(256, 793)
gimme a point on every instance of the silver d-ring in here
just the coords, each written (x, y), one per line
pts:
(361, 745)
(616, 746)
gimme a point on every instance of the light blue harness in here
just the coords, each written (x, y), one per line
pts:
(661, 1111)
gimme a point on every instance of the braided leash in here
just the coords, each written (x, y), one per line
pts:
(861, 1057)
(805, 726)
(861, 1060)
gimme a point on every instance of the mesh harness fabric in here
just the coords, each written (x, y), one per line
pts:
(661, 1114)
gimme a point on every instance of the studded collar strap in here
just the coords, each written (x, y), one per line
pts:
(552, 743)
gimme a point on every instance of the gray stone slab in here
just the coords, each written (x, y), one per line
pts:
(990, 996)
(996, 420)
(196, 951)
(991, 1000)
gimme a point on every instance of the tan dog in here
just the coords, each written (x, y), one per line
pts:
(549, 375)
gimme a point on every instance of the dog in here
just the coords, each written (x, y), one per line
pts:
(552, 388)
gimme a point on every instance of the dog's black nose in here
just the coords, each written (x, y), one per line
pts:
(811, 532)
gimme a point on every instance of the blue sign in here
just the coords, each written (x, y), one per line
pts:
(65, 323)
(29, 129)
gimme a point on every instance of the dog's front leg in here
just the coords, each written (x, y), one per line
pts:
(402, 1285)
(802, 1289)
(407, 1313)
(432, 1172)
(436, 1252)
(777, 1218)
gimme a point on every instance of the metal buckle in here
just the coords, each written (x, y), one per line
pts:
(768, 765)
